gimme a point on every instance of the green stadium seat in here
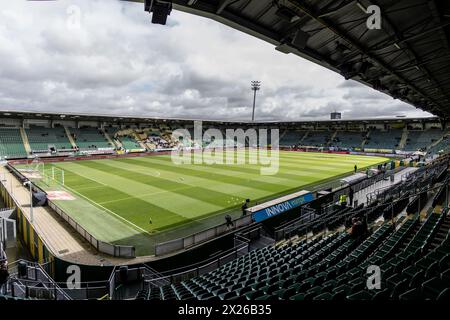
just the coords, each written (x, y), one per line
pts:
(433, 287)
(381, 295)
(444, 295)
(324, 296)
(413, 294)
(360, 295)
(297, 297)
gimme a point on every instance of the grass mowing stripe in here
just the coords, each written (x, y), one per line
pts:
(192, 179)
(177, 203)
(317, 170)
(135, 195)
(228, 178)
(244, 169)
(199, 193)
(134, 209)
(221, 172)
(107, 210)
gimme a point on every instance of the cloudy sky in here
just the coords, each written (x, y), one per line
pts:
(104, 56)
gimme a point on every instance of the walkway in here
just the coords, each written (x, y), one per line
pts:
(58, 236)
(361, 196)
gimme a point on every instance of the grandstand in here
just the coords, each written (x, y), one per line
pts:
(316, 139)
(43, 139)
(127, 139)
(348, 140)
(90, 138)
(292, 138)
(110, 207)
(443, 146)
(417, 140)
(333, 267)
(378, 139)
(11, 143)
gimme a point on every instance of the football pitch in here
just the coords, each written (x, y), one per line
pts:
(144, 200)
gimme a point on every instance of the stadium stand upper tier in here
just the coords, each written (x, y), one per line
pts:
(292, 137)
(373, 139)
(11, 143)
(90, 138)
(419, 139)
(378, 139)
(406, 135)
(41, 139)
(443, 146)
(348, 139)
(317, 138)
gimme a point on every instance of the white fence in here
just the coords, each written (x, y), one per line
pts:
(104, 247)
(199, 237)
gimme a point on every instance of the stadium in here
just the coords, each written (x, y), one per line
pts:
(97, 206)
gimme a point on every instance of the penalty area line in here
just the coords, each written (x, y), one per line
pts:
(107, 210)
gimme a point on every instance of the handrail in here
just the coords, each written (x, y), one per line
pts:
(201, 263)
(201, 236)
(319, 219)
(195, 269)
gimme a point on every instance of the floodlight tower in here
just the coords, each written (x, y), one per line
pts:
(256, 85)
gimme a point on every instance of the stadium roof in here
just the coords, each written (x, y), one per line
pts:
(408, 58)
(124, 119)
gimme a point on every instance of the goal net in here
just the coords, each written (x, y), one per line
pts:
(54, 175)
(47, 174)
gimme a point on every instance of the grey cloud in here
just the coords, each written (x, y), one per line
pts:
(119, 63)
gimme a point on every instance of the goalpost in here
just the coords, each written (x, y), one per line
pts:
(57, 175)
(47, 174)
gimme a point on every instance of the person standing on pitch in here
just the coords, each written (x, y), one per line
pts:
(356, 168)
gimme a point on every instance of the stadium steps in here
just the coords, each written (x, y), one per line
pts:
(437, 142)
(304, 137)
(406, 269)
(409, 237)
(26, 143)
(11, 143)
(70, 137)
(328, 268)
(283, 134)
(331, 267)
(117, 141)
(403, 139)
(138, 139)
(107, 136)
(441, 233)
(333, 136)
(365, 139)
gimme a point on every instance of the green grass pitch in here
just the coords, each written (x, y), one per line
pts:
(129, 200)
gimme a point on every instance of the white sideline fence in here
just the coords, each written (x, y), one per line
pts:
(200, 237)
(104, 247)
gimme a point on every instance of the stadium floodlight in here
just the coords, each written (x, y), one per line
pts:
(256, 86)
